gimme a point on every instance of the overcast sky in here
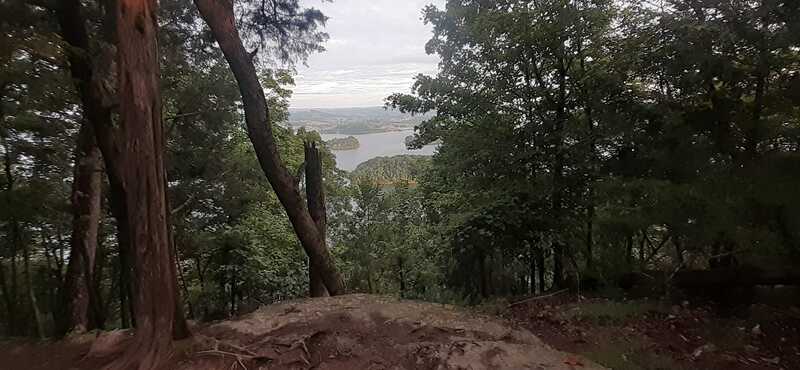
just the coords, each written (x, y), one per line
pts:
(376, 47)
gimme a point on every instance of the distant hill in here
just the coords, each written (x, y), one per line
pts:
(352, 120)
(391, 170)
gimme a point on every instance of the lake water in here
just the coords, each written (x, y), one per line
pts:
(382, 144)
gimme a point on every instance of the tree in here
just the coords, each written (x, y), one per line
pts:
(97, 141)
(220, 18)
(86, 195)
(144, 183)
(315, 196)
(512, 90)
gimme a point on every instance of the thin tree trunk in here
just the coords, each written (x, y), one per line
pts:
(558, 174)
(532, 268)
(402, 276)
(180, 329)
(9, 293)
(678, 250)
(86, 193)
(124, 318)
(589, 237)
(126, 277)
(98, 306)
(315, 196)
(483, 275)
(219, 15)
(7, 299)
(26, 258)
(182, 282)
(540, 268)
(642, 250)
(629, 250)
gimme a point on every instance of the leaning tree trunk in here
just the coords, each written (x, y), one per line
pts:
(315, 194)
(142, 174)
(219, 15)
(86, 193)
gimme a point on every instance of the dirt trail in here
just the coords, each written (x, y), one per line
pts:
(345, 332)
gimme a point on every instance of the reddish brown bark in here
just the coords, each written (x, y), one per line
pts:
(219, 16)
(315, 196)
(89, 85)
(142, 174)
(86, 192)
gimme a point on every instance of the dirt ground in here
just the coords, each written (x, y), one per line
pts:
(648, 335)
(346, 332)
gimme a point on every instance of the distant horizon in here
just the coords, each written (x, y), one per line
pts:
(343, 107)
(375, 49)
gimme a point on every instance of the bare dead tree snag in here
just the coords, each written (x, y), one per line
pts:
(220, 17)
(315, 197)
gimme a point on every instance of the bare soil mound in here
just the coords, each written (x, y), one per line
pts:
(345, 332)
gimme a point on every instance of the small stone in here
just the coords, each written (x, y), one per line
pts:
(707, 348)
(756, 331)
(750, 348)
(774, 360)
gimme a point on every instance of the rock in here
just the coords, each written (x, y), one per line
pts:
(706, 348)
(750, 348)
(774, 360)
(756, 331)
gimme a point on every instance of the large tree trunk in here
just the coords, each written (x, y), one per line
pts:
(315, 195)
(219, 15)
(94, 97)
(86, 192)
(142, 174)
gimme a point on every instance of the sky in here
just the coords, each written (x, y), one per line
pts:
(376, 47)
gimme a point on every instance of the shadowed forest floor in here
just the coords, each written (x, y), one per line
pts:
(647, 335)
(376, 332)
(346, 332)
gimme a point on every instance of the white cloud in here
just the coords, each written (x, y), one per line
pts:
(376, 48)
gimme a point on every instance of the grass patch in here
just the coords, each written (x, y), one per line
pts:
(621, 356)
(492, 306)
(726, 336)
(609, 313)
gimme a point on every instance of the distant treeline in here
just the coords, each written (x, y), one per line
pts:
(343, 143)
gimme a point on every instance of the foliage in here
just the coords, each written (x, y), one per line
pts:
(637, 131)
(391, 170)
